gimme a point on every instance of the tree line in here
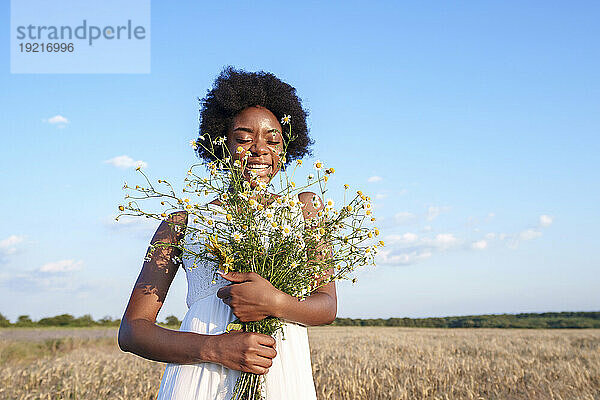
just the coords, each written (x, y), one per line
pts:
(68, 320)
(548, 320)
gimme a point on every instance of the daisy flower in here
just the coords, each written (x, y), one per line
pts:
(238, 236)
(318, 165)
(286, 119)
(194, 144)
(286, 229)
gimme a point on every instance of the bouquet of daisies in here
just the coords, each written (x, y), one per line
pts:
(257, 231)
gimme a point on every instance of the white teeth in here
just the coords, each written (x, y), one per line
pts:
(258, 166)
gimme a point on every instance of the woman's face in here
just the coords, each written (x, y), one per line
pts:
(256, 130)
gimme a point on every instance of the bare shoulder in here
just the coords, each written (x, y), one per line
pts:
(172, 228)
(312, 203)
(178, 216)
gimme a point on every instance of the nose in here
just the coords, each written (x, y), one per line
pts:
(259, 146)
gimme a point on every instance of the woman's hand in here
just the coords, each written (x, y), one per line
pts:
(245, 351)
(250, 296)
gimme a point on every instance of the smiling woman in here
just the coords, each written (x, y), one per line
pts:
(247, 111)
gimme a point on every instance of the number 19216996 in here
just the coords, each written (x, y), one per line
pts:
(46, 47)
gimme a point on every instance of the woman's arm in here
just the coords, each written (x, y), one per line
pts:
(320, 308)
(253, 298)
(139, 334)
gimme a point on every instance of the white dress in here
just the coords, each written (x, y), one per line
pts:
(290, 376)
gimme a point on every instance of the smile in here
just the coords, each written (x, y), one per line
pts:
(258, 166)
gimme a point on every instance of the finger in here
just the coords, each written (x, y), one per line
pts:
(224, 292)
(259, 370)
(237, 277)
(263, 362)
(266, 340)
(267, 352)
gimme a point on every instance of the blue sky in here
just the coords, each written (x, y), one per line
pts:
(474, 126)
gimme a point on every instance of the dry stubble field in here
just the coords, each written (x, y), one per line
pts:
(348, 363)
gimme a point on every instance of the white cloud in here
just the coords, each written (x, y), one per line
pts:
(125, 162)
(546, 220)
(391, 257)
(58, 120)
(529, 234)
(444, 241)
(409, 248)
(8, 245)
(33, 281)
(490, 236)
(380, 196)
(479, 245)
(61, 266)
(440, 241)
(375, 179)
(54, 276)
(404, 238)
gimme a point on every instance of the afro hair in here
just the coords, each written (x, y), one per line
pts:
(235, 90)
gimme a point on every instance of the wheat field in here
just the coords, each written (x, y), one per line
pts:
(348, 363)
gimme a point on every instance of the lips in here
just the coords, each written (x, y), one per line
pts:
(258, 166)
